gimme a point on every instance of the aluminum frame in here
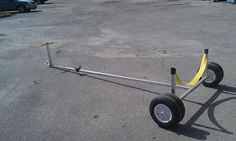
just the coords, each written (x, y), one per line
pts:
(172, 85)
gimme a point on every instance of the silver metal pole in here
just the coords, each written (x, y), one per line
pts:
(192, 88)
(173, 81)
(115, 76)
(206, 51)
(49, 55)
(48, 52)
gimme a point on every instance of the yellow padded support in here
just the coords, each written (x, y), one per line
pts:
(198, 74)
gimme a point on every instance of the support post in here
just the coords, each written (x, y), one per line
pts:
(206, 51)
(49, 54)
(173, 81)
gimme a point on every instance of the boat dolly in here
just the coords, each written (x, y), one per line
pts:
(167, 110)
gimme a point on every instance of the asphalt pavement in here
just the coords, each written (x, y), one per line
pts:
(140, 38)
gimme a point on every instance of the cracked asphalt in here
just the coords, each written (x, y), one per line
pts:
(140, 38)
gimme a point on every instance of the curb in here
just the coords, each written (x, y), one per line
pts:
(4, 14)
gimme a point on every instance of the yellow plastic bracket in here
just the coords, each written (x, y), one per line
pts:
(198, 75)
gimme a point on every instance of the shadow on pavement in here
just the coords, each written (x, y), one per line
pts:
(16, 12)
(32, 11)
(46, 3)
(118, 83)
(190, 129)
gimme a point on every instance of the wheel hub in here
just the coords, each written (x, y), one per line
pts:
(163, 113)
(211, 76)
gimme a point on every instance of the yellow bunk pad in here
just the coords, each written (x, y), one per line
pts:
(198, 75)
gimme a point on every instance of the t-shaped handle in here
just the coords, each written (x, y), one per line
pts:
(47, 44)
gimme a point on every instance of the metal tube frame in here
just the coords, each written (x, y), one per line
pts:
(173, 81)
(173, 85)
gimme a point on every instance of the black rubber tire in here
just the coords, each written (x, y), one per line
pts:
(220, 68)
(180, 103)
(219, 73)
(21, 8)
(172, 105)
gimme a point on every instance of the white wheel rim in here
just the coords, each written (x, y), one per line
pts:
(162, 113)
(211, 76)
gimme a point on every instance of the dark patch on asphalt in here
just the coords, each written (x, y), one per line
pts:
(112, 2)
(59, 51)
(3, 34)
(173, 4)
(36, 82)
(163, 51)
(145, 77)
(162, 3)
(95, 116)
